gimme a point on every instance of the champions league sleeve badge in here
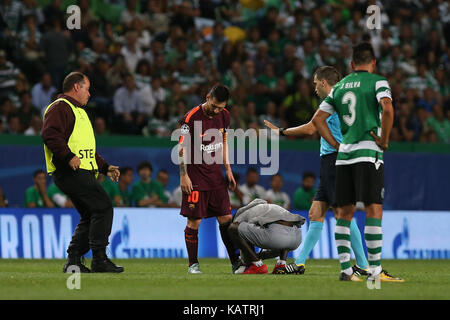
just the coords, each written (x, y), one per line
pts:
(184, 128)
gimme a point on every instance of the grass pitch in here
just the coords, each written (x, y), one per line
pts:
(168, 279)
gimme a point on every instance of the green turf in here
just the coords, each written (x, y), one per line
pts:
(168, 279)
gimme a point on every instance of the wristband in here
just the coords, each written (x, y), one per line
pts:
(282, 131)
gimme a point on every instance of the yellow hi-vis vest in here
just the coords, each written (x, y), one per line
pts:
(81, 141)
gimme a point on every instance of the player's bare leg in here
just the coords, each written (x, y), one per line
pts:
(346, 212)
(224, 224)
(318, 211)
(374, 235)
(191, 239)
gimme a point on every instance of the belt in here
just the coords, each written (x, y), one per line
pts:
(94, 172)
(285, 223)
(59, 172)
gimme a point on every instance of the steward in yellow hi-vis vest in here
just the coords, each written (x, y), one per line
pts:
(81, 141)
(73, 163)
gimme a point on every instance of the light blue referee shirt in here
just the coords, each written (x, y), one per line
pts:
(335, 128)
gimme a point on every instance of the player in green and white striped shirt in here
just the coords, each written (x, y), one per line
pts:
(363, 103)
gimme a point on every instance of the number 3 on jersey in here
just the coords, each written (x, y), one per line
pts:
(350, 99)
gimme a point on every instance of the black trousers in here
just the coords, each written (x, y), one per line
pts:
(94, 206)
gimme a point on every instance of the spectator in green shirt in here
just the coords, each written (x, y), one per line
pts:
(163, 178)
(268, 78)
(439, 124)
(109, 186)
(58, 197)
(147, 193)
(304, 195)
(276, 43)
(124, 197)
(36, 195)
(300, 106)
(119, 193)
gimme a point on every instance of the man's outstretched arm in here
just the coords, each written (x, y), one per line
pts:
(302, 130)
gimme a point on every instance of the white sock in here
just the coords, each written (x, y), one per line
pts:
(258, 263)
(348, 271)
(375, 270)
(281, 262)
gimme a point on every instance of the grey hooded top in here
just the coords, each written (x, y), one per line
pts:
(261, 213)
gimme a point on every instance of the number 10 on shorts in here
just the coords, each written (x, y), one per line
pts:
(193, 197)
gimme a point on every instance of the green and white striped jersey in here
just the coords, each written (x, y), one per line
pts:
(356, 100)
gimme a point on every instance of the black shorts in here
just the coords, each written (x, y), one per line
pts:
(326, 191)
(361, 181)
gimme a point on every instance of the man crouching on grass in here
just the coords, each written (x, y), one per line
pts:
(267, 226)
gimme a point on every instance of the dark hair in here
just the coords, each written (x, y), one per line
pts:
(12, 115)
(180, 39)
(71, 79)
(220, 92)
(163, 171)
(24, 93)
(124, 170)
(127, 75)
(181, 100)
(363, 53)
(39, 171)
(143, 62)
(29, 16)
(4, 100)
(299, 11)
(329, 73)
(276, 175)
(145, 164)
(159, 105)
(251, 169)
(308, 174)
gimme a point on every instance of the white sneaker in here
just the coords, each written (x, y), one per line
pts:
(195, 268)
(240, 270)
(238, 267)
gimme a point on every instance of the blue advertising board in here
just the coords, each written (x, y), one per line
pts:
(421, 178)
(159, 233)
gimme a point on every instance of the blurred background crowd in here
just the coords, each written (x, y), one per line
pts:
(150, 61)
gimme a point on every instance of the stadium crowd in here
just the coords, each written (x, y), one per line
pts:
(151, 61)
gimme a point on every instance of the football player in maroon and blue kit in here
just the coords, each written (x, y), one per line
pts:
(202, 149)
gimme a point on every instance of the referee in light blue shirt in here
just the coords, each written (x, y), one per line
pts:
(324, 80)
